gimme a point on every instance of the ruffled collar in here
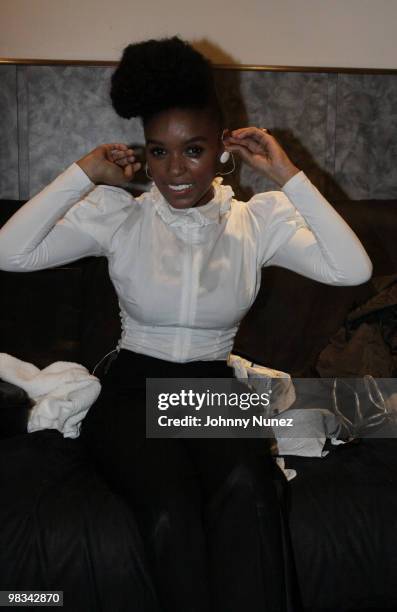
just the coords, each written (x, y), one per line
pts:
(208, 214)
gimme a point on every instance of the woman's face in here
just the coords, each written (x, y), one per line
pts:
(182, 153)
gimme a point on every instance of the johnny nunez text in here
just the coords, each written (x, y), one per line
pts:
(219, 421)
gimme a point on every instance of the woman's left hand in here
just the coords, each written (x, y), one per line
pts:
(262, 152)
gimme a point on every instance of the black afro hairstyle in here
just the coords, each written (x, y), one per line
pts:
(156, 75)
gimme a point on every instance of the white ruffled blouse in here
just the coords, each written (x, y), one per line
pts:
(184, 278)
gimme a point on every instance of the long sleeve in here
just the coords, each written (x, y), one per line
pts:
(33, 240)
(327, 250)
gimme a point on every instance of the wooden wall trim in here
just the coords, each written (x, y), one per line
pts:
(265, 68)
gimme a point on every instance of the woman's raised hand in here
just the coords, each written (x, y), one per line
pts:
(110, 164)
(262, 152)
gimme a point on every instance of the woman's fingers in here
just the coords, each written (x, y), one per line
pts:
(254, 139)
(116, 154)
(122, 156)
(130, 170)
(245, 152)
(258, 134)
(117, 145)
(113, 150)
(111, 164)
(251, 145)
(125, 161)
(248, 146)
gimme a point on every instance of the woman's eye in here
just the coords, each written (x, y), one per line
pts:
(194, 151)
(157, 152)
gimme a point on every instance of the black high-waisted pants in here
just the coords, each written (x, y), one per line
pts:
(209, 510)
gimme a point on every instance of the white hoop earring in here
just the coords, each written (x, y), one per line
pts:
(231, 156)
(147, 172)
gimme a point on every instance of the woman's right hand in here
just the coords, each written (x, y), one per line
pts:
(110, 164)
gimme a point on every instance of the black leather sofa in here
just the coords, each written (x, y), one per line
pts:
(66, 530)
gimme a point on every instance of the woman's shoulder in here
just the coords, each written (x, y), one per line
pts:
(265, 206)
(103, 203)
(102, 212)
(106, 199)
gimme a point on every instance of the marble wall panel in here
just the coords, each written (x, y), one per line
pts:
(366, 136)
(23, 132)
(9, 184)
(340, 128)
(329, 162)
(292, 105)
(69, 114)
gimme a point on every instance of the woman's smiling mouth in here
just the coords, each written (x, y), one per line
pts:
(181, 187)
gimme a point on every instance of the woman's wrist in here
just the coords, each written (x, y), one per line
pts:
(88, 167)
(282, 175)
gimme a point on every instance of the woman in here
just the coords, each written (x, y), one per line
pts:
(185, 260)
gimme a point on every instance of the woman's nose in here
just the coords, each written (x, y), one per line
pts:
(176, 165)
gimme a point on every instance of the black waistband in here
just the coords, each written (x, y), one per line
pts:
(129, 365)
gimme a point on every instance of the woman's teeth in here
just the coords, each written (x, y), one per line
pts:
(180, 187)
